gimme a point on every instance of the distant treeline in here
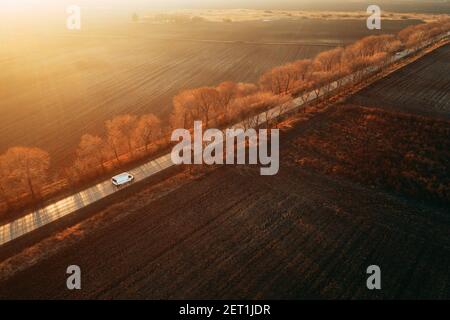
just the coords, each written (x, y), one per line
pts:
(25, 170)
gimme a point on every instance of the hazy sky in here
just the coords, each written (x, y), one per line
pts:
(22, 6)
(194, 3)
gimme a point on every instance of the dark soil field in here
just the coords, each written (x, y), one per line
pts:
(235, 234)
(399, 152)
(56, 86)
(422, 87)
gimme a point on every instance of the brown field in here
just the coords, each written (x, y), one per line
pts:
(234, 234)
(422, 87)
(357, 186)
(399, 152)
(55, 88)
(308, 232)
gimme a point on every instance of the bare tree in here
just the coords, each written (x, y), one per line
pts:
(329, 61)
(91, 150)
(120, 131)
(195, 104)
(148, 129)
(245, 89)
(7, 186)
(227, 92)
(206, 99)
(29, 167)
(279, 80)
(355, 60)
(184, 111)
(302, 69)
(414, 36)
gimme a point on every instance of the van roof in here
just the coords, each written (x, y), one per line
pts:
(122, 176)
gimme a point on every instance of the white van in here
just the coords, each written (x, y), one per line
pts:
(122, 179)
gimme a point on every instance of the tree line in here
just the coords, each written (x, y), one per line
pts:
(25, 170)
